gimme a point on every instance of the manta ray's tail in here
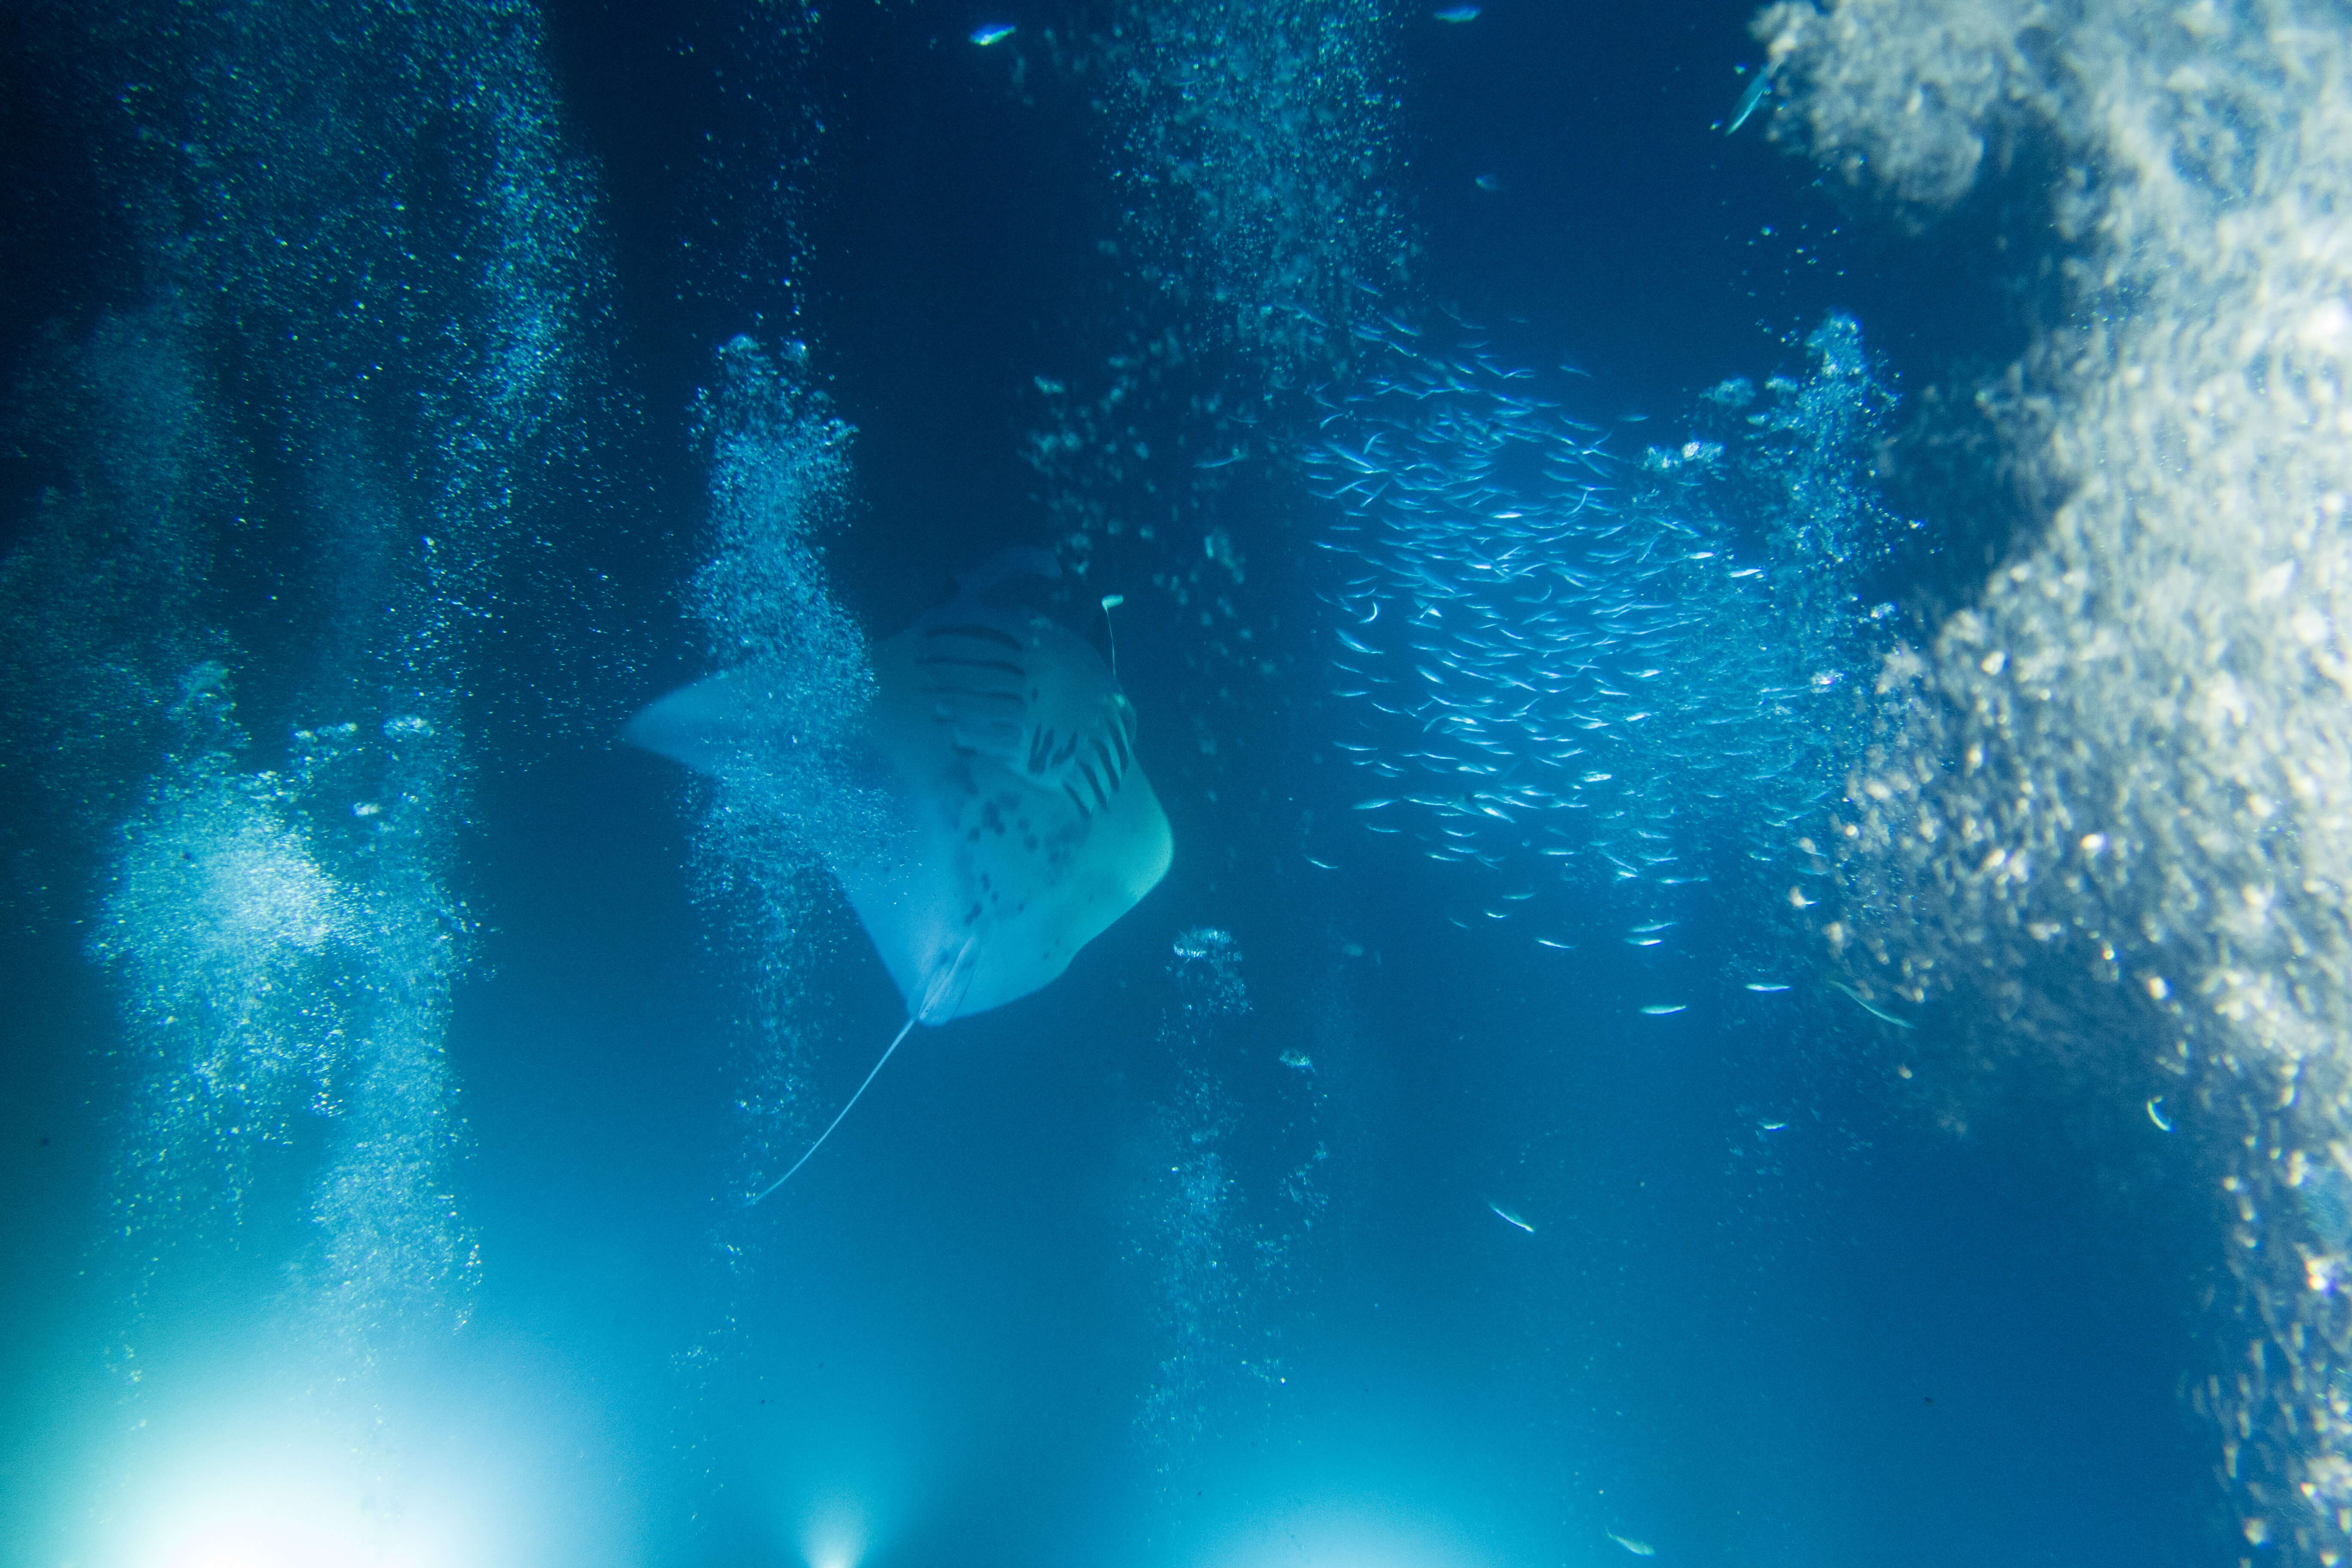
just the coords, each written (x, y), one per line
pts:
(904, 1030)
(947, 986)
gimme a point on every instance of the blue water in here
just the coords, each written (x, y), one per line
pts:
(382, 1103)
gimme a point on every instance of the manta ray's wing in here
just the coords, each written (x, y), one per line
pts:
(1023, 825)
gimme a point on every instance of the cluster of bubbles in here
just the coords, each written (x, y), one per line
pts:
(396, 205)
(286, 947)
(1234, 1189)
(220, 910)
(293, 476)
(1250, 150)
(779, 469)
(2113, 801)
(779, 474)
(1630, 668)
(1154, 473)
(1256, 139)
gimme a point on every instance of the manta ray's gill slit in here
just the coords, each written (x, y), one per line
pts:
(1113, 768)
(1102, 797)
(1003, 664)
(1041, 751)
(986, 633)
(1080, 803)
(1012, 697)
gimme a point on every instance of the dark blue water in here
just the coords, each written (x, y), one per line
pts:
(392, 1210)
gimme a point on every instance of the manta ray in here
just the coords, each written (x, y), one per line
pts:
(1021, 824)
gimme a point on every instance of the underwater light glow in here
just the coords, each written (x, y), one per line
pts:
(1357, 1535)
(835, 1535)
(291, 1505)
(283, 1530)
(270, 1542)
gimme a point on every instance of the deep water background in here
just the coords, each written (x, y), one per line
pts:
(1858, 1338)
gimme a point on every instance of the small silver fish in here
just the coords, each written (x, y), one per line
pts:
(1765, 985)
(993, 33)
(1662, 1009)
(1638, 1548)
(1880, 1013)
(1507, 1218)
(1751, 100)
(2156, 1114)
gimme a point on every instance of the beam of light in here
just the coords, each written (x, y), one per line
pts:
(834, 1535)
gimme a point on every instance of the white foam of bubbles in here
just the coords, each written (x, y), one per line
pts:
(779, 467)
(218, 916)
(280, 983)
(229, 878)
(2116, 800)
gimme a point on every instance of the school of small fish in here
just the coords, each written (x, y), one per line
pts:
(1628, 665)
